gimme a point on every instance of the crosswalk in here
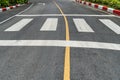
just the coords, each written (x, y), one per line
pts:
(82, 25)
(51, 24)
(113, 26)
(19, 25)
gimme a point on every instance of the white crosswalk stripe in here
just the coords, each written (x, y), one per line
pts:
(50, 24)
(19, 25)
(110, 24)
(82, 25)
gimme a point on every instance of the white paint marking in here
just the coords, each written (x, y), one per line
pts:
(100, 7)
(0, 10)
(16, 14)
(61, 43)
(14, 6)
(40, 15)
(42, 4)
(93, 5)
(110, 10)
(83, 2)
(8, 8)
(25, 10)
(7, 19)
(50, 25)
(82, 25)
(18, 5)
(19, 25)
(110, 24)
(87, 3)
(88, 15)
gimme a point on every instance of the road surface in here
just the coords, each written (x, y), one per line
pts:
(59, 40)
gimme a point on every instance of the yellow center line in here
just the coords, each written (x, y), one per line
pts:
(67, 49)
(66, 22)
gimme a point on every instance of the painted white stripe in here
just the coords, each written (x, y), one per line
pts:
(88, 15)
(87, 3)
(19, 25)
(18, 5)
(93, 5)
(110, 10)
(0, 10)
(83, 2)
(100, 7)
(40, 15)
(50, 25)
(25, 9)
(61, 43)
(110, 24)
(42, 4)
(7, 8)
(14, 6)
(16, 14)
(82, 25)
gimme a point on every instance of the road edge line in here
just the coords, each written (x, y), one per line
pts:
(15, 15)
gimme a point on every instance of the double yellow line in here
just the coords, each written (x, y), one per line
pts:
(67, 49)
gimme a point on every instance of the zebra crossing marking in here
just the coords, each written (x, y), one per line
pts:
(50, 24)
(19, 25)
(110, 24)
(82, 25)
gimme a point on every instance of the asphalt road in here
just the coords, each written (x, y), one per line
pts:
(59, 40)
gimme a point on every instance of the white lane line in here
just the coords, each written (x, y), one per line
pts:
(82, 25)
(19, 25)
(50, 25)
(61, 43)
(88, 15)
(28, 15)
(110, 24)
(16, 14)
(25, 10)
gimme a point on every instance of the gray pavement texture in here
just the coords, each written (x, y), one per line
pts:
(47, 63)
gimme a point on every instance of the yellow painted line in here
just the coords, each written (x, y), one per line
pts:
(67, 49)
(66, 22)
(67, 64)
